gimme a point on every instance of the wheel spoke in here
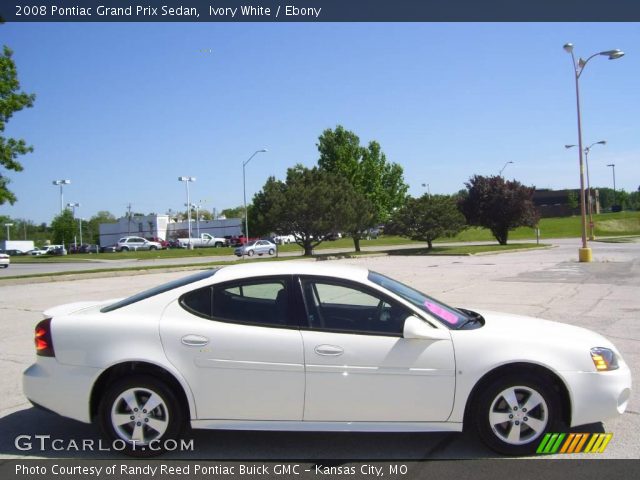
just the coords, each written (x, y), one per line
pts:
(533, 401)
(159, 426)
(153, 401)
(496, 418)
(509, 396)
(130, 399)
(138, 434)
(536, 425)
(120, 419)
(514, 434)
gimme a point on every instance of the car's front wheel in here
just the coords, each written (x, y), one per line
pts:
(271, 251)
(142, 413)
(513, 414)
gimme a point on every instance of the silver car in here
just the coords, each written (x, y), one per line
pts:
(136, 243)
(259, 246)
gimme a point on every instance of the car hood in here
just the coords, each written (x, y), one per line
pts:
(540, 330)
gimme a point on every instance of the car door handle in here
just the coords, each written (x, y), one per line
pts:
(194, 340)
(331, 350)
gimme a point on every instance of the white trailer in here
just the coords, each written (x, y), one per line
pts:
(22, 246)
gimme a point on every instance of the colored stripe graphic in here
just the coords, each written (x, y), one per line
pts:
(574, 443)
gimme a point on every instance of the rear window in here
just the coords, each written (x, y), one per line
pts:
(181, 282)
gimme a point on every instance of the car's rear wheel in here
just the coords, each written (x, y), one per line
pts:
(124, 249)
(251, 253)
(513, 414)
(142, 413)
(153, 247)
(271, 251)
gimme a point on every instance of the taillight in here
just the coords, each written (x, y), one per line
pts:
(44, 343)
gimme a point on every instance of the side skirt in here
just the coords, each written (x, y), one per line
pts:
(296, 426)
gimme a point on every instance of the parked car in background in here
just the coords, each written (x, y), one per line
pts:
(13, 252)
(174, 243)
(284, 239)
(109, 249)
(36, 252)
(205, 240)
(259, 247)
(89, 248)
(307, 346)
(126, 244)
(5, 260)
(162, 242)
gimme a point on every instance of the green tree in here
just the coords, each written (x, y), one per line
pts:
(63, 228)
(310, 204)
(92, 229)
(499, 205)
(367, 170)
(237, 212)
(11, 100)
(427, 218)
(573, 199)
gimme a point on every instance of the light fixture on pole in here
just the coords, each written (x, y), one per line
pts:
(186, 181)
(502, 169)
(61, 183)
(73, 213)
(8, 226)
(613, 166)
(592, 235)
(584, 253)
(426, 185)
(244, 193)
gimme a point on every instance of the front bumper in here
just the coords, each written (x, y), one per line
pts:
(63, 389)
(598, 396)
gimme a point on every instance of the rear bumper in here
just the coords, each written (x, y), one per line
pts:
(63, 389)
(598, 396)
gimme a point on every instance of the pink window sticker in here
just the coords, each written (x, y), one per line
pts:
(441, 312)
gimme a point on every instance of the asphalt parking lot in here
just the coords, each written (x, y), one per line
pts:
(602, 296)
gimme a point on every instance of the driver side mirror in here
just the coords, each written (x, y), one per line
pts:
(416, 328)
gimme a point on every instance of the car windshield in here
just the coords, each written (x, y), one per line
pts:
(449, 316)
(181, 282)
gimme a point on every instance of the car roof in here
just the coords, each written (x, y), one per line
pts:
(293, 267)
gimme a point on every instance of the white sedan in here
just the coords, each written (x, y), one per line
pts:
(308, 346)
(5, 260)
(260, 247)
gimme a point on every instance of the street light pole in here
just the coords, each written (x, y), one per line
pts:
(8, 225)
(186, 181)
(584, 253)
(613, 167)
(73, 213)
(592, 235)
(502, 169)
(62, 183)
(244, 193)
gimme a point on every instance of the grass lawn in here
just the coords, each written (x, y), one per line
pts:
(607, 225)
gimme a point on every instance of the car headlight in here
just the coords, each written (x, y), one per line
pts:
(604, 359)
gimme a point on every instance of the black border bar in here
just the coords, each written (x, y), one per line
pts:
(320, 10)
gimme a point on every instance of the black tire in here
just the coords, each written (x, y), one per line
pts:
(271, 251)
(218, 245)
(124, 249)
(167, 413)
(523, 429)
(251, 253)
(153, 248)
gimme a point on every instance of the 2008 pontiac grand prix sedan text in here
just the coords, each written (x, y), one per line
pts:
(307, 346)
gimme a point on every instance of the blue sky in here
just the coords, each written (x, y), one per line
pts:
(124, 109)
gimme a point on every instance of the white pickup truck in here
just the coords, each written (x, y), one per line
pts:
(205, 240)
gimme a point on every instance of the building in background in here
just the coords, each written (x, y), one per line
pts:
(165, 228)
